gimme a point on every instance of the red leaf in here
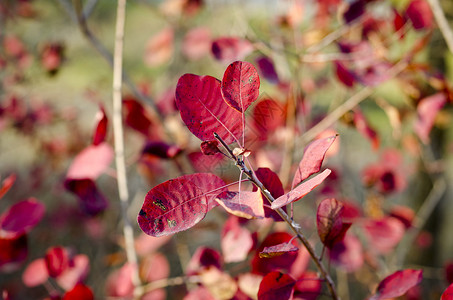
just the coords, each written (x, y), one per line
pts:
(7, 183)
(100, 132)
(79, 292)
(267, 70)
(137, 117)
(228, 49)
(35, 273)
(398, 23)
(427, 110)
(204, 111)
(397, 284)
(276, 285)
(277, 250)
(346, 76)
(75, 273)
(236, 241)
(57, 261)
(178, 204)
(197, 43)
(331, 228)
(13, 252)
(210, 147)
(448, 293)
(448, 268)
(312, 160)
(159, 48)
(273, 184)
(161, 149)
(384, 234)
(284, 261)
(419, 12)
(347, 254)
(308, 286)
(91, 162)
(240, 85)
(91, 201)
(22, 217)
(300, 191)
(365, 130)
(243, 204)
(268, 115)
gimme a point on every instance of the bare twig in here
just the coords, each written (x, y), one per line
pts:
(119, 143)
(442, 23)
(295, 227)
(162, 283)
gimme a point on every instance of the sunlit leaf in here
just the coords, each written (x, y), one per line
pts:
(91, 162)
(243, 204)
(278, 250)
(329, 220)
(397, 284)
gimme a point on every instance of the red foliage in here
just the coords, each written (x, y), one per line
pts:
(397, 284)
(419, 12)
(276, 285)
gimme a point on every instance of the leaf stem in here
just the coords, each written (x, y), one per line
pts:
(295, 227)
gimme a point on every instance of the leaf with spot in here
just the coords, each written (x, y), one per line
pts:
(276, 285)
(204, 111)
(240, 85)
(329, 220)
(312, 159)
(178, 204)
(300, 191)
(397, 284)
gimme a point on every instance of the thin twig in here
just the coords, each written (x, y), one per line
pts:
(162, 283)
(442, 23)
(295, 227)
(119, 144)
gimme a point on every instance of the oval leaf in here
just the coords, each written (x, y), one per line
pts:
(276, 285)
(243, 204)
(331, 228)
(178, 204)
(301, 190)
(240, 85)
(204, 111)
(79, 292)
(35, 273)
(312, 159)
(22, 216)
(91, 162)
(397, 284)
(278, 250)
(236, 241)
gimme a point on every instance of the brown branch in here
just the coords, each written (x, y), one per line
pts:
(295, 227)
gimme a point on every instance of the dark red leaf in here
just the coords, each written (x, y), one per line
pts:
(57, 260)
(300, 191)
(397, 284)
(137, 117)
(22, 217)
(178, 204)
(312, 159)
(398, 23)
(210, 147)
(91, 200)
(79, 292)
(364, 129)
(449, 272)
(347, 254)
(100, 132)
(284, 261)
(354, 11)
(13, 252)
(273, 184)
(277, 250)
(204, 111)
(228, 49)
(36, 273)
(329, 220)
(197, 43)
(267, 70)
(91, 162)
(384, 234)
(276, 285)
(448, 293)
(243, 204)
(240, 85)
(308, 286)
(161, 149)
(203, 259)
(7, 183)
(427, 110)
(346, 76)
(236, 241)
(419, 12)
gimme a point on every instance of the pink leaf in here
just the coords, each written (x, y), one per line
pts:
(236, 241)
(300, 191)
(228, 49)
(178, 204)
(420, 14)
(91, 201)
(312, 159)
(35, 273)
(197, 43)
(276, 285)
(76, 273)
(91, 162)
(7, 183)
(100, 132)
(22, 217)
(364, 129)
(145, 244)
(329, 220)
(243, 204)
(119, 283)
(159, 48)
(347, 254)
(277, 250)
(448, 293)
(240, 85)
(384, 234)
(79, 292)
(154, 267)
(204, 111)
(427, 110)
(397, 284)
(273, 184)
